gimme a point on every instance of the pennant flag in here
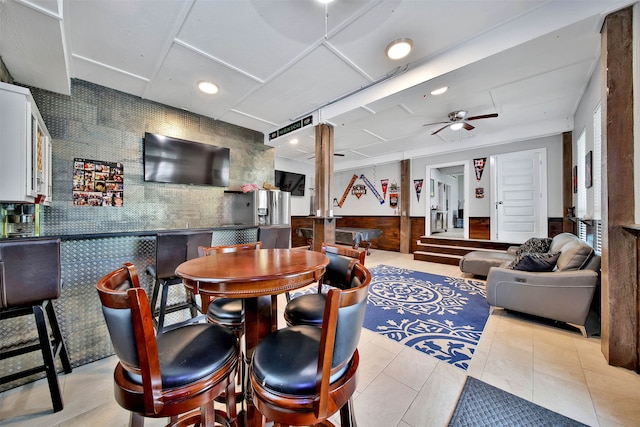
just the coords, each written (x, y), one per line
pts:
(372, 188)
(394, 191)
(417, 183)
(346, 191)
(384, 183)
(478, 165)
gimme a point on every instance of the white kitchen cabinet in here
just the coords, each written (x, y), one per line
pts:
(25, 148)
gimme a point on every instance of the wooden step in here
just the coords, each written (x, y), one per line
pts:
(449, 250)
(452, 250)
(439, 258)
(469, 243)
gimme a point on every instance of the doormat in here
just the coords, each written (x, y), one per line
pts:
(481, 404)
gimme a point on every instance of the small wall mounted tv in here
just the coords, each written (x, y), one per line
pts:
(179, 161)
(291, 182)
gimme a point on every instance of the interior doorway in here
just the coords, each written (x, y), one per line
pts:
(519, 196)
(446, 212)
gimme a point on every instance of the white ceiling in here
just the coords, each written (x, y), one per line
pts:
(276, 61)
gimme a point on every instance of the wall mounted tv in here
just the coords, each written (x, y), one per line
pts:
(291, 182)
(178, 161)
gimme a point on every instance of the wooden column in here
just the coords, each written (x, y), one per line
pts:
(620, 306)
(324, 226)
(405, 206)
(567, 181)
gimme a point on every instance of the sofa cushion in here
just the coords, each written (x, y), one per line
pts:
(574, 253)
(478, 263)
(535, 245)
(535, 261)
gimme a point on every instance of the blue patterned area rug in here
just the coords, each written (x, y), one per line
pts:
(440, 316)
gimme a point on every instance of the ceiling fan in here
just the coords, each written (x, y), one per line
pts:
(458, 120)
(335, 154)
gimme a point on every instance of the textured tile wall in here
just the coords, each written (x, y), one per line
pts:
(103, 124)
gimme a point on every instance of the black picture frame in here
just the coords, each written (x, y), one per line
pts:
(574, 179)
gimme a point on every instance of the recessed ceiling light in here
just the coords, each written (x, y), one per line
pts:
(293, 141)
(456, 126)
(399, 48)
(439, 91)
(207, 87)
(325, 1)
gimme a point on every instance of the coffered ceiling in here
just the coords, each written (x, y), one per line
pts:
(276, 61)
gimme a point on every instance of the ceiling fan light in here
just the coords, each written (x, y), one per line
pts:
(399, 48)
(439, 91)
(456, 126)
(207, 87)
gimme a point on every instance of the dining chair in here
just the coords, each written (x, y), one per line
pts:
(177, 374)
(301, 375)
(172, 249)
(308, 309)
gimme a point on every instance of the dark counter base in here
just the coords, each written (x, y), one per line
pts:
(85, 258)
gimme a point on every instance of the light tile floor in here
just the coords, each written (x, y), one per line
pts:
(399, 386)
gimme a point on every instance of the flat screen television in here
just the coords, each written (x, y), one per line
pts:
(291, 182)
(178, 161)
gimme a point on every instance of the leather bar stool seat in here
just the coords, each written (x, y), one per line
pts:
(172, 249)
(227, 311)
(181, 365)
(308, 309)
(301, 375)
(29, 282)
(177, 374)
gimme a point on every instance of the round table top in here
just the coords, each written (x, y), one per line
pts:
(252, 273)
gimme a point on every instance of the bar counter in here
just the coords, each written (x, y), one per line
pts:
(85, 258)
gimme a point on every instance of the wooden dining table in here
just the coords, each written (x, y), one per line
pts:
(256, 276)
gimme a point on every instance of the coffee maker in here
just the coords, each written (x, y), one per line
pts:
(18, 220)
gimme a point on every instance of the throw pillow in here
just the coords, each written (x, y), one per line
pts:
(535, 261)
(535, 245)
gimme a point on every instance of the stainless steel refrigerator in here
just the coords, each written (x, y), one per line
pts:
(270, 210)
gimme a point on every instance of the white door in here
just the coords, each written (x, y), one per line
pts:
(519, 196)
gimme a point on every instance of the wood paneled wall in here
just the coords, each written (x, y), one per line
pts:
(479, 228)
(390, 226)
(417, 231)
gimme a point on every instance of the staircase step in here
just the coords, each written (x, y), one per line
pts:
(470, 243)
(439, 258)
(452, 250)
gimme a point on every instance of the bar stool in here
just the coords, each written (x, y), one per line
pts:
(29, 281)
(177, 374)
(172, 249)
(308, 309)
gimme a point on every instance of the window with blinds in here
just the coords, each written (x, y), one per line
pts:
(597, 178)
(581, 205)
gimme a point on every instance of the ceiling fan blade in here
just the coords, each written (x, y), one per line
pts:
(467, 126)
(443, 127)
(435, 123)
(485, 116)
(335, 154)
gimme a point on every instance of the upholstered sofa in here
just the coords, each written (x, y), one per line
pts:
(562, 291)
